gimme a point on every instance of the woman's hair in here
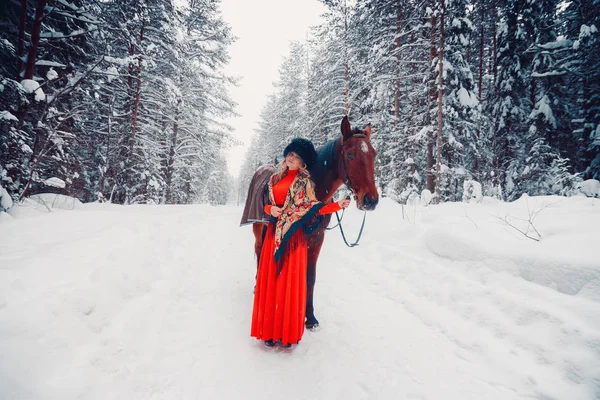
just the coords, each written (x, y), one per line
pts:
(282, 169)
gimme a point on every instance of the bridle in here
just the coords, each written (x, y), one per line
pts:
(346, 176)
(349, 186)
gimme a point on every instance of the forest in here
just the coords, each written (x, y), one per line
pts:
(126, 101)
(498, 97)
(114, 100)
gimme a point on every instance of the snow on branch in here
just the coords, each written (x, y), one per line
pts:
(545, 74)
(60, 35)
(46, 63)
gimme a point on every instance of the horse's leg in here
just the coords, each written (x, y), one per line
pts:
(315, 241)
(258, 229)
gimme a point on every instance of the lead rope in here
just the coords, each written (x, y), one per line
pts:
(342, 229)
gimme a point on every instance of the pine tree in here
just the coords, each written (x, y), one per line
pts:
(511, 105)
(460, 111)
(582, 21)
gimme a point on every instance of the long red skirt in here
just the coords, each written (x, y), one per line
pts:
(280, 302)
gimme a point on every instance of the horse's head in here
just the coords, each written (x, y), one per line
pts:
(358, 165)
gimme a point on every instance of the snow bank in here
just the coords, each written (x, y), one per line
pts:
(5, 199)
(45, 201)
(562, 259)
(590, 188)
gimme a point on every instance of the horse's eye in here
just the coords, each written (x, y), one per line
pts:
(350, 156)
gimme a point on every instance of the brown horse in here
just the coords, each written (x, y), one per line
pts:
(349, 160)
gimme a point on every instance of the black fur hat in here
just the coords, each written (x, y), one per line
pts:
(305, 149)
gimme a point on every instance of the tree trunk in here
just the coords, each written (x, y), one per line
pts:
(29, 71)
(495, 56)
(397, 81)
(346, 57)
(171, 158)
(480, 94)
(496, 180)
(414, 103)
(134, 114)
(430, 178)
(136, 104)
(21, 48)
(35, 39)
(308, 123)
(107, 163)
(412, 138)
(440, 109)
(321, 133)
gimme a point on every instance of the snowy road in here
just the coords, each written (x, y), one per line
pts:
(108, 302)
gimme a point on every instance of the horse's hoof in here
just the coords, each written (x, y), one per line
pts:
(312, 325)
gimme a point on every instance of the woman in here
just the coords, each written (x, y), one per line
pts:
(280, 295)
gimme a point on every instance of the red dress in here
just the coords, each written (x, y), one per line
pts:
(280, 301)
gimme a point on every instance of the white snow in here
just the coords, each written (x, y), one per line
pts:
(426, 197)
(51, 74)
(585, 30)
(119, 61)
(51, 201)
(71, 6)
(439, 302)
(556, 44)
(472, 191)
(60, 35)
(112, 72)
(30, 86)
(25, 148)
(590, 188)
(47, 63)
(5, 199)
(417, 176)
(467, 99)
(543, 107)
(55, 182)
(7, 115)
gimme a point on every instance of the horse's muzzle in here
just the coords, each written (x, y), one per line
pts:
(369, 203)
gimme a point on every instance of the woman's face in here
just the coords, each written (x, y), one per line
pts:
(293, 161)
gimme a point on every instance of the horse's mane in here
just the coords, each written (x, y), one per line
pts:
(325, 160)
(326, 157)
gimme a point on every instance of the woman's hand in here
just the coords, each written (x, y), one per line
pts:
(275, 211)
(344, 203)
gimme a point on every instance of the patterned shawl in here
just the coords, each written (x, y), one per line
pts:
(300, 206)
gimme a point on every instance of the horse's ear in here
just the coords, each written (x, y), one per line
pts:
(346, 129)
(368, 131)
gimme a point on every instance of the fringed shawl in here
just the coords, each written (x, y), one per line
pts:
(300, 206)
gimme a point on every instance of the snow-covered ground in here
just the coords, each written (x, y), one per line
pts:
(446, 302)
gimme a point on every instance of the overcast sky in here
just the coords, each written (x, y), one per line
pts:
(264, 29)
